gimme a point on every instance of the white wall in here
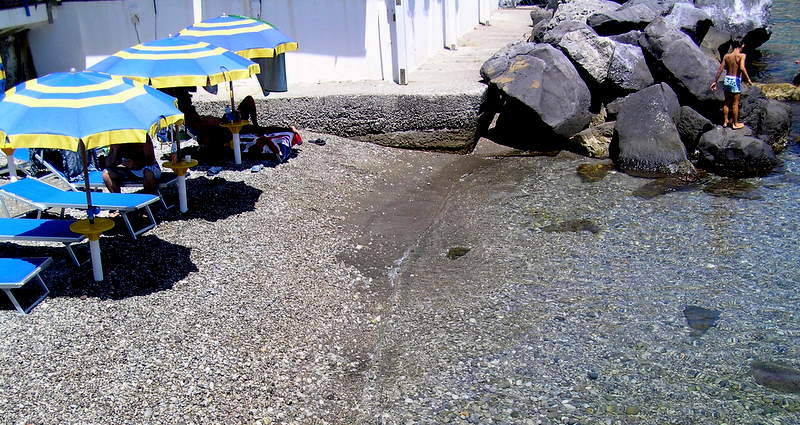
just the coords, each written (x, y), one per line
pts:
(468, 12)
(86, 32)
(338, 39)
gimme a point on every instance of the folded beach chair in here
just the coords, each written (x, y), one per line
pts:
(43, 196)
(16, 272)
(22, 158)
(48, 230)
(96, 180)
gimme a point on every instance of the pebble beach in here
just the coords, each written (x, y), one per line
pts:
(361, 284)
(327, 290)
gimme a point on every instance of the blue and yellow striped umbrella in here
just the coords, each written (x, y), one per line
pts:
(176, 62)
(248, 37)
(60, 110)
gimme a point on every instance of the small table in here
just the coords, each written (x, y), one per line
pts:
(180, 169)
(235, 128)
(12, 165)
(93, 230)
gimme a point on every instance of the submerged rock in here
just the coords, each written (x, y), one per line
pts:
(779, 91)
(591, 173)
(663, 186)
(733, 188)
(457, 252)
(577, 225)
(776, 376)
(700, 319)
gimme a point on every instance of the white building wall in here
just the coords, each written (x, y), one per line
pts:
(468, 13)
(339, 39)
(424, 30)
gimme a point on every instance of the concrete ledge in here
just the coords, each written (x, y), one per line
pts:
(431, 122)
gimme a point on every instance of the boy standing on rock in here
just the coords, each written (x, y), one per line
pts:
(733, 65)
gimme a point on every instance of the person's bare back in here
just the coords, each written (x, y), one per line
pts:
(732, 63)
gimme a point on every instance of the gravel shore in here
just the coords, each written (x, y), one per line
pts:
(321, 291)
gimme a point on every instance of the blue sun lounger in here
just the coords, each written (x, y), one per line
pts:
(96, 180)
(47, 230)
(43, 196)
(16, 272)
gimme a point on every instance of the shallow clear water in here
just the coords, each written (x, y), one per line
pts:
(543, 326)
(782, 49)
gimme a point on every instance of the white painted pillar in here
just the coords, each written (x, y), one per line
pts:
(402, 44)
(450, 25)
(197, 9)
(485, 10)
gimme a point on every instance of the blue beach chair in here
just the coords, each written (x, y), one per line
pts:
(47, 230)
(16, 272)
(43, 196)
(96, 180)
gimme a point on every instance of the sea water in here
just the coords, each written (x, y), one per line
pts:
(783, 49)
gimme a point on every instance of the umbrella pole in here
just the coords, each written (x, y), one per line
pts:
(85, 156)
(91, 231)
(233, 105)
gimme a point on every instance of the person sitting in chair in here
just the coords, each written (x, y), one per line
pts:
(132, 162)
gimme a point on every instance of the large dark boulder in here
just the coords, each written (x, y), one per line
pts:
(590, 53)
(659, 7)
(646, 140)
(743, 19)
(770, 119)
(621, 20)
(691, 20)
(732, 153)
(610, 69)
(543, 34)
(579, 10)
(691, 126)
(613, 108)
(628, 71)
(539, 14)
(716, 43)
(630, 37)
(675, 58)
(542, 79)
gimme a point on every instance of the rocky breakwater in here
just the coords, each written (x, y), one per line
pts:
(631, 82)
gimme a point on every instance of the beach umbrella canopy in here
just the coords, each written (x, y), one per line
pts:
(62, 110)
(82, 110)
(248, 37)
(177, 62)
